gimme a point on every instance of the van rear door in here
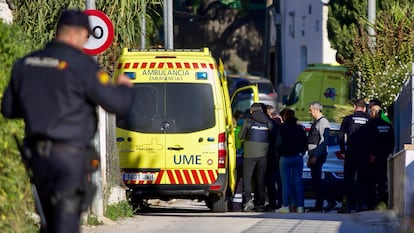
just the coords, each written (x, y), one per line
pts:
(140, 138)
(335, 90)
(172, 133)
(192, 134)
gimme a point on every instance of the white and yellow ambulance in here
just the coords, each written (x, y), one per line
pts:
(178, 139)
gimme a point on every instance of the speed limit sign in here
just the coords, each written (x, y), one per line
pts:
(103, 32)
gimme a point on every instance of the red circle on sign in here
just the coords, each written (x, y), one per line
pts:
(110, 27)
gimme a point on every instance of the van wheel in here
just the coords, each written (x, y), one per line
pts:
(138, 204)
(217, 203)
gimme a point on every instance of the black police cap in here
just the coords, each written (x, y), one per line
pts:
(374, 102)
(73, 17)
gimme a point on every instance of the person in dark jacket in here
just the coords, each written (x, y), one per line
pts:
(381, 144)
(352, 142)
(256, 135)
(56, 91)
(292, 144)
(273, 179)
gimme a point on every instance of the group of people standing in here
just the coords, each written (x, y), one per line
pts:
(366, 139)
(274, 146)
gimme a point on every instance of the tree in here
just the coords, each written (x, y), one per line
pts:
(386, 67)
(381, 70)
(40, 17)
(15, 197)
(344, 19)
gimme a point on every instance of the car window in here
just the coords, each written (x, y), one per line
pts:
(172, 107)
(235, 83)
(294, 95)
(242, 102)
(333, 137)
(266, 88)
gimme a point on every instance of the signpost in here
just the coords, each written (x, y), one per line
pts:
(103, 32)
(101, 38)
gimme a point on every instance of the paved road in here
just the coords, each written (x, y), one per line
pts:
(193, 217)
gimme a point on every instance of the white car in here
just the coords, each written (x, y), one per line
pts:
(267, 92)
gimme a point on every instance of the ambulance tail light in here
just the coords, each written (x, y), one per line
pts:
(222, 150)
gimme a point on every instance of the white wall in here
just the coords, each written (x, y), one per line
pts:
(5, 12)
(304, 37)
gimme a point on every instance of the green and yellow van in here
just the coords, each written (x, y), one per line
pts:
(328, 84)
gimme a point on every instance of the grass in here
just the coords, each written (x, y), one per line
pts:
(119, 210)
(93, 221)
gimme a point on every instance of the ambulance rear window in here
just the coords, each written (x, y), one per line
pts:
(170, 107)
(294, 94)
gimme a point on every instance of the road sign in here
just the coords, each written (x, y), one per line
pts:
(103, 32)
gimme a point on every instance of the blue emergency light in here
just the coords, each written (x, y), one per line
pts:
(131, 75)
(201, 75)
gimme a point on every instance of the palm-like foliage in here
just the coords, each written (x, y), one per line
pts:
(380, 70)
(39, 18)
(384, 68)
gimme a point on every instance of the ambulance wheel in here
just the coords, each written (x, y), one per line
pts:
(217, 203)
(138, 205)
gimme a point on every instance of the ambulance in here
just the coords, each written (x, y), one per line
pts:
(329, 84)
(178, 139)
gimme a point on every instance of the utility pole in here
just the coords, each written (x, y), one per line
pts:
(168, 25)
(371, 19)
(266, 41)
(278, 49)
(90, 5)
(100, 138)
(143, 24)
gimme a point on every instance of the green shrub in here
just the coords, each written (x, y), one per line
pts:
(93, 221)
(16, 202)
(119, 210)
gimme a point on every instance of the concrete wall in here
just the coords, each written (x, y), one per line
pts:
(401, 181)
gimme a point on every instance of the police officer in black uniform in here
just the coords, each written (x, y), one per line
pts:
(381, 145)
(56, 90)
(256, 135)
(352, 143)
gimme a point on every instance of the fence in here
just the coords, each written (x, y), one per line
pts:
(401, 165)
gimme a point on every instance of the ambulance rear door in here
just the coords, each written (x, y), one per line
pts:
(195, 126)
(140, 137)
(334, 90)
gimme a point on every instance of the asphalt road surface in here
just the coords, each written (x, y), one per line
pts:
(182, 216)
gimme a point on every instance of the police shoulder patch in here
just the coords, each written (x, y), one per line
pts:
(103, 77)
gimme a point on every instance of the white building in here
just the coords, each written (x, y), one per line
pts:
(304, 37)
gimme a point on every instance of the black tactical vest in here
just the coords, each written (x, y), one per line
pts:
(258, 132)
(314, 135)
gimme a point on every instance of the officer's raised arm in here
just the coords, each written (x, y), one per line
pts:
(114, 98)
(122, 79)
